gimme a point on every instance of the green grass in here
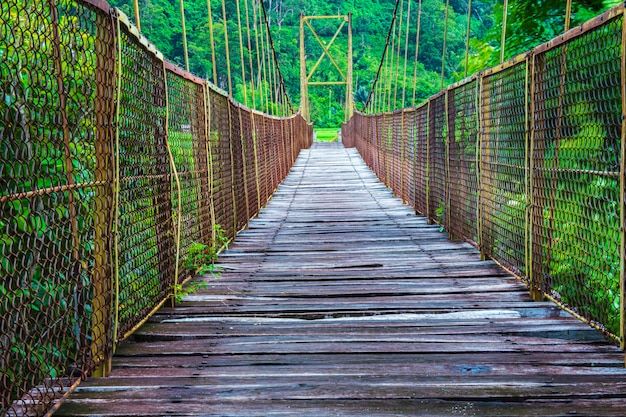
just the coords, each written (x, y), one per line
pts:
(326, 134)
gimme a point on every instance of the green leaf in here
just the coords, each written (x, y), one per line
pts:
(22, 226)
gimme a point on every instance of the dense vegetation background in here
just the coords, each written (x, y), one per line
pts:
(529, 24)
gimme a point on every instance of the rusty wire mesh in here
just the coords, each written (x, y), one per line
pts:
(377, 147)
(393, 147)
(378, 150)
(576, 175)
(220, 134)
(187, 138)
(373, 136)
(283, 149)
(145, 238)
(276, 156)
(503, 160)
(462, 147)
(249, 160)
(409, 159)
(351, 131)
(526, 162)
(369, 148)
(240, 190)
(386, 141)
(421, 160)
(361, 134)
(437, 169)
(397, 153)
(104, 150)
(261, 159)
(273, 161)
(56, 83)
(268, 171)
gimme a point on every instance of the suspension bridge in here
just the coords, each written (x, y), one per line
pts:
(462, 256)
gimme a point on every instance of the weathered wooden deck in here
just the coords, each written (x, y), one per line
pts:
(339, 301)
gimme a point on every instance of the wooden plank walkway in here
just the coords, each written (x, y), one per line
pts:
(338, 301)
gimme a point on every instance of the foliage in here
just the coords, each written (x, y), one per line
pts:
(180, 291)
(161, 23)
(200, 259)
(529, 23)
(440, 213)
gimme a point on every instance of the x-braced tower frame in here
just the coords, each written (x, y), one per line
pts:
(305, 76)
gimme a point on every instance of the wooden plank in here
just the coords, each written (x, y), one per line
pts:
(339, 301)
(252, 407)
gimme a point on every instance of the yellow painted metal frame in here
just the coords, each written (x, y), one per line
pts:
(305, 75)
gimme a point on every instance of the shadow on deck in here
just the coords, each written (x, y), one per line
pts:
(339, 301)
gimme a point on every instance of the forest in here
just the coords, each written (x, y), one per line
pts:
(528, 24)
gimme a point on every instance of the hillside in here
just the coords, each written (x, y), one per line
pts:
(529, 23)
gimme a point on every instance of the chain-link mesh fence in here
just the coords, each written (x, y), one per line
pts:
(503, 173)
(105, 150)
(576, 157)
(145, 235)
(261, 160)
(410, 130)
(395, 152)
(463, 164)
(56, 109)
(421, 160)
(189, 147)
(248, 158)
(383, 147)
(238, 183)
(526, 162)
(437, 161)
(223, 191)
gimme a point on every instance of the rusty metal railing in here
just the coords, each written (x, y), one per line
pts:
(113, 162)
(526, 162)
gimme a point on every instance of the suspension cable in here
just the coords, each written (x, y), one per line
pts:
(137, 18)
(389, 80)
(250, 54)
(568, 15)
(243, 66)
(270, 68)
(257, 49)
(263, 67)
(467, 40)
(395, 90)
(417, 49)
(184, 29)
(212, 40)
(445, 38)
(279, 85)
(267, 65)
(406, 51)
(279, 90)
(380, 66)
(224, 21)
(384, 101)
(503, 39)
